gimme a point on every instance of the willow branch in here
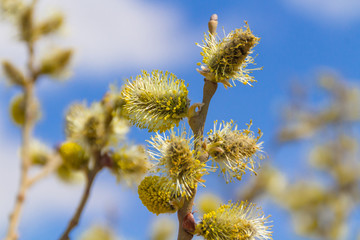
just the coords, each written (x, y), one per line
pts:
(90, 176)
(197, 124)
(27, 131)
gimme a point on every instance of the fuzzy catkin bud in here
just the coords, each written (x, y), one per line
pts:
(13, 74)
(17, 110)
(241, 221)
(73, 155)
(50, 25)
(39, 153)
(228, 58)
(26, 24)
(56, 62)
(156, 195)
(156, 101)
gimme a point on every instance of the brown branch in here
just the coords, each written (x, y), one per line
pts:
(27, 131)
(53, 164)
(197, 124)
(75, 219)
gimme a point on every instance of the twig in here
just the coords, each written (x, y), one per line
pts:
(197, 124)
(89, 183)
(53, 164)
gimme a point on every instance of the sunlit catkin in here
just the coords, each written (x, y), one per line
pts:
(13, 74)
(157, 196)
(227, 59)
(241, 221)
(173, 155)
(233, 150)
(156, 101)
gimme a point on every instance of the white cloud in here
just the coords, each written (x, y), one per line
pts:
(112, 34)
(331, 11)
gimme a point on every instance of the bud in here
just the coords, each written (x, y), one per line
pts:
(17, 110)
(157, 195)
(73, 155)
(39, 153)
(241, 221)
(13, 74)
(26, 24)
(156, 101)
(212, 24)
(56, 62)
(50, 25)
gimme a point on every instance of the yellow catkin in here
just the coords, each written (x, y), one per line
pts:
(17, 110)
(156, 101)
(156, 195)
(228, 58)
(241, 221)
(173, 155)
(233, 150)
(73, 155)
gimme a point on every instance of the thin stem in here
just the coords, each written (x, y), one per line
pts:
(75, 219)
(197, 124)
(53, 164)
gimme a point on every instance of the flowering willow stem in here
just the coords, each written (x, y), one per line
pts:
(25, 148)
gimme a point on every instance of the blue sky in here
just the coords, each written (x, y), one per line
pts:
(115, 39)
